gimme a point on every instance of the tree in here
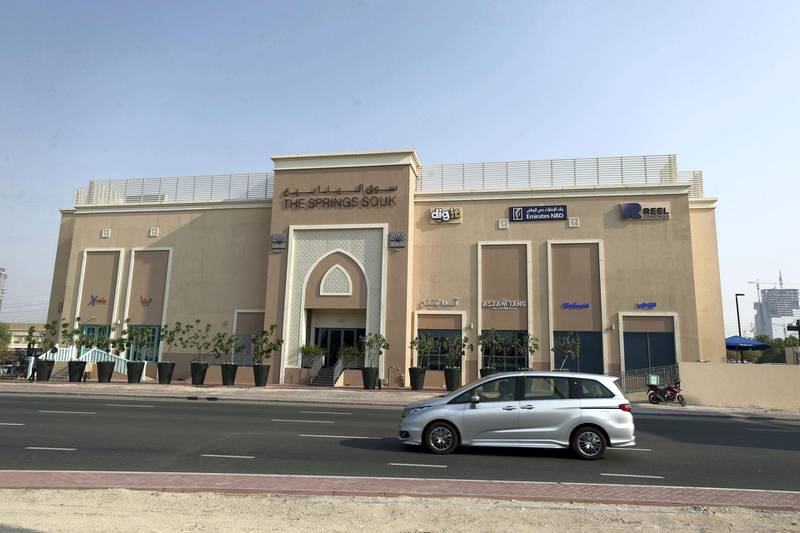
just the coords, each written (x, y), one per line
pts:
(423, 345)
(454, 348)
(265, 344)
(5, 336)
(374, 345)
(490, 343)
(225, 344)
(569, 346)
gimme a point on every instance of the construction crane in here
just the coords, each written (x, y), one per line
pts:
(758, 282)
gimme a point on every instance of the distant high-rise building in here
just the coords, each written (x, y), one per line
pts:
(3, 277)
(776, 302)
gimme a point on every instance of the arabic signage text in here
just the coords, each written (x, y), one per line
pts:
(362, 196)
(439, 303)
(537, 213)
(644, 210)
(445, 215)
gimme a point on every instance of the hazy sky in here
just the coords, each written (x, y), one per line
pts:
(138, 89)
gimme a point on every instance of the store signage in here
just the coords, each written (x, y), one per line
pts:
(646, 305)
(146, 301)
(94, 300)
(362, 196)
(574, 305)
(504, 304)
(279, 241)
(445, 215)
(439, 303)
(644, 211)
(537, 213)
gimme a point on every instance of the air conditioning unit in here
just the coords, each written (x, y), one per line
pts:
(105, 233)
(502, 223)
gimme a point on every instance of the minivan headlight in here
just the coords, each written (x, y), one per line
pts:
(411, 411)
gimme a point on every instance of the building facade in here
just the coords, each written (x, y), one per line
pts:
(620, 252)
(3, 280)
(777, 303)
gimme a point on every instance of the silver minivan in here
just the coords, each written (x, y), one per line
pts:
(527, 409)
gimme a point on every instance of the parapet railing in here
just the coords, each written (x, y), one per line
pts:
(556, 174)
(170, 190)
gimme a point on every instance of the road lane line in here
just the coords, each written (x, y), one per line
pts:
(778, 430)
(418, 465)
(68, 412)
(642, 476)
(11, 424)
(342, 437)
(45, 448)
(139, 406)
(631, 449)
(228, 456)
(324, 413)
(303, 421)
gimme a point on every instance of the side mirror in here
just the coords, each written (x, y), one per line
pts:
(475, 398)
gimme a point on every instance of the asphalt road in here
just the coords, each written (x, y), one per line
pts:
(68, 433)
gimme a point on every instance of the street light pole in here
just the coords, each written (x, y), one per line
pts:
(739, 323)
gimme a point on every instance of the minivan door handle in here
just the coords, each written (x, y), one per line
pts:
(527, 407)
(509, 408)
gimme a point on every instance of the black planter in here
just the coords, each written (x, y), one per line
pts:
(135, 369)
(417, 377)
(488, 372)
(76, 369)
(229, 373)
(199, 373)
(452, 378)
(260, 373)
(165, 370)
(370, 377)
(104, 371)
(43, 370)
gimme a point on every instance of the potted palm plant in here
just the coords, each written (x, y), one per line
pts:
(373, 344)
(226, 345)
(490, 343)
(263, 346)
(454, 348)
(422, 346)
(170, 337)
(197, 339)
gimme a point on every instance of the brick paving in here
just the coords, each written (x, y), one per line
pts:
(416, 487)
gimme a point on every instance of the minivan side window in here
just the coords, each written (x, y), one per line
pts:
(594, 389)
(498, 390)
(545, 388)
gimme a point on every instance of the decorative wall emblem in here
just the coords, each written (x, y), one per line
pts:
(94, 300)
(279, 241)
(145, 301)
(397, 239)
(439, 303)
(504, 304)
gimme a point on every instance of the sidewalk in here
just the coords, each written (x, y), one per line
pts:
(416, 487)
(305, 394)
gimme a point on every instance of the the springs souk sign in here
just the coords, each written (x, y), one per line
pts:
(360, 197)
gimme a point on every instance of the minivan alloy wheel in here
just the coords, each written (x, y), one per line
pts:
(590, 443)
(441, 438)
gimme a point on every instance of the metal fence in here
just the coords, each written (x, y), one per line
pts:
(637, 380)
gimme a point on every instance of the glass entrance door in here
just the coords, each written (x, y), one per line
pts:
(334, 339)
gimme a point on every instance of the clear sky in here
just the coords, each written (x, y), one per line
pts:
(92, 90)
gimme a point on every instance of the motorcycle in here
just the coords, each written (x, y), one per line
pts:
(658, 395)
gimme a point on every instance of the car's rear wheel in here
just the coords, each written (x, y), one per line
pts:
(588, 443)
(440, 437)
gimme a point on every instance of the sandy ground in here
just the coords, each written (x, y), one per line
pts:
(120, 510)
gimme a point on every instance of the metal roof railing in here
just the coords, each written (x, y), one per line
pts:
(591, 172)
(170, 190)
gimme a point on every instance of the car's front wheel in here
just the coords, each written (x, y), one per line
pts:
(440, 437)
(588, 443)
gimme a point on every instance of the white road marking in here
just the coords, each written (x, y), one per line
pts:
(779, 430)
(412, 464)
(342, 437)
(324, 413)
(228, 456)
(631, 449)
(50, 449)
(303, 421)
(11, 424)
(130, 405)
(68, 412)
(634, 475)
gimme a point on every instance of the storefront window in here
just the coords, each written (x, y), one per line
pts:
(590, 356)
(148, 350)
(96, 332)
(438, 359)
(511, 355)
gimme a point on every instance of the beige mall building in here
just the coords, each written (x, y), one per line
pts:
(620, 250)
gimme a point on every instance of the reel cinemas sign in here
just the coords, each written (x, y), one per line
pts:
(327, 198)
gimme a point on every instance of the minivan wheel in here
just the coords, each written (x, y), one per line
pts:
(588, 443)
(440, 437)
